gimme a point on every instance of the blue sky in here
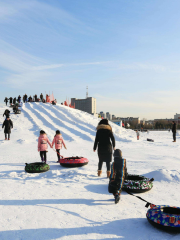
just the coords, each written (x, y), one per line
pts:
(127, 52)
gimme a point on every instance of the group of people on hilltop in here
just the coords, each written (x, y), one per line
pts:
(29, 99)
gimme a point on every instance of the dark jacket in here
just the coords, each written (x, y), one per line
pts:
(41, 96)
(6, 112)
(14, 100)
(103, 136)
(6, 99)
(10, 100)
(174, 128)
(118, 174)
(8, 125)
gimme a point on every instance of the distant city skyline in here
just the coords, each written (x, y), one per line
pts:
(126, 52)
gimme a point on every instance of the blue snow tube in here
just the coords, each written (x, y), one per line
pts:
(164, 217)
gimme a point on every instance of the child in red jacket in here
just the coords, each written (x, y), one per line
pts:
(42, 145)
(58, 140)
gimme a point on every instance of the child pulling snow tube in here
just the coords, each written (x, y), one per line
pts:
(150, 140)
(72, 162)
(137, 183)
(164, 217)
(36, 167)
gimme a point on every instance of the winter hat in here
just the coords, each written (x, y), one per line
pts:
(104, 121)
(57, 132)
(42, 132)
(117, 153)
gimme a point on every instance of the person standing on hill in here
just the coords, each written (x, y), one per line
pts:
(8, 125)
(19, 99)
(41, 97)
(25, 97)
(10, 100)
(174, 131)
(103, 136)
(6, 100)
(14, 100)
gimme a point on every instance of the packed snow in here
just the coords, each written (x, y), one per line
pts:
(66, 203)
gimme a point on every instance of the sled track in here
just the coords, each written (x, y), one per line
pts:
(43, 122)
(59, 119)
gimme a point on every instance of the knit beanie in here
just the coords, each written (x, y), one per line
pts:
(117, 153)
(57, 132)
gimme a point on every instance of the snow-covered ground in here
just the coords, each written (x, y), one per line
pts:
(75, 203)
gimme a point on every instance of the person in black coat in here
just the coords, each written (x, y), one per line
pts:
(118, 175)
(103, 136)
(174, 131)
(25, 97)
(8, 125)
(14, 100)
(6, 100)
(10, 100)
(19, 99)
(6, 113)
(30, 99)
(41, 97)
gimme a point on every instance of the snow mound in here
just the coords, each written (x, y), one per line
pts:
(164, 175)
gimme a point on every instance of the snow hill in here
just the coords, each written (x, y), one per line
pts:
(75, 203)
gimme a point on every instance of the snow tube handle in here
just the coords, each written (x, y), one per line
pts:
(151, 180)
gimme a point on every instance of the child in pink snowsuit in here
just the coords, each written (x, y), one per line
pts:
(42, 145)
(58, 140)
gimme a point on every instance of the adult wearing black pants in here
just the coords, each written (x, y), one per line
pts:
(174, 131)
(10, 100)
(8, 125)
(41, 97)
(103, 136)
(6, 100)
(14, 100)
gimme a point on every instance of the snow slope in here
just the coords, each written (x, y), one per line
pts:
(74, 203)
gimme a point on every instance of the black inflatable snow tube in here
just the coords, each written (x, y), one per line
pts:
(137, 183)
(150, 140)
(165, 217)
(36, 167)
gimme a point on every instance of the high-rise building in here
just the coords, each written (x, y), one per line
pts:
(108, 116)
(102, 114)
(87, 105)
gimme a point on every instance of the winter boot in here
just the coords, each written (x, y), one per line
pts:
(99, 173)
(117, 198)
(5, 138)
(108, 174)
(8, 138)
(42, 159)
